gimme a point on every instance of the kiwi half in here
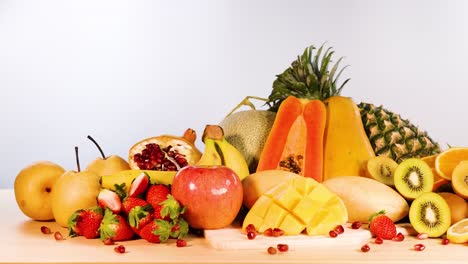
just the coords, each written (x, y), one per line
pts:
(413, 177)
(381, 168)
(429, 213)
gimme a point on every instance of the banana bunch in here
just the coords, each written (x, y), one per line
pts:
(127, 176)
(218, 151)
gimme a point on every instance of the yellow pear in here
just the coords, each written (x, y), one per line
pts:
(33, 186)
(106, 165)
(74, 190)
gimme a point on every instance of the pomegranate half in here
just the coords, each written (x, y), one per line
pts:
(164, 152)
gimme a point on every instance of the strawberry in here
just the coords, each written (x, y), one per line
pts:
(156, 194)
(109, 199)
(139, 185)
(382, 226)
(169, 209)
(140, 216)
(115, 227)
(85, 222)
(179, 228)
(130, 202)
(156, 231)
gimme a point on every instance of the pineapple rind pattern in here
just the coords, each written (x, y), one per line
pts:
(394, 137)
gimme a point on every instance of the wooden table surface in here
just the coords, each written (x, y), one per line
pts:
(23, 242)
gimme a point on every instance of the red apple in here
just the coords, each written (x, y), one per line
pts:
(212, 195)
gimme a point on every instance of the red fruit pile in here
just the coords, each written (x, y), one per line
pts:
(148, 211)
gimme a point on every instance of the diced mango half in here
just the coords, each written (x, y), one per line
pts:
(295, 205)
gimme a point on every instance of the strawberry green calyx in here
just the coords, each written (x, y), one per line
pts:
(107, 228)
(137, 213)
(171, 207)
(72, 221)
(180, 228)
(163, 230)
(381, 212)
(120, 190)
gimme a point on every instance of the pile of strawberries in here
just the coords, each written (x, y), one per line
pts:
(147, 211)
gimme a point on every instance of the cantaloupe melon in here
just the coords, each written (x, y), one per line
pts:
(247, 131)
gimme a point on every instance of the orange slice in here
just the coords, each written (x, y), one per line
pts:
(430, 160)
(458, 232)
(448, 160)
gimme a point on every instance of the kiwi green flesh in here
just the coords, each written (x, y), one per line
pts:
(413, 177)
(430, 214)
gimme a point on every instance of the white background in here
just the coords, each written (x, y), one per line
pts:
(124, 71)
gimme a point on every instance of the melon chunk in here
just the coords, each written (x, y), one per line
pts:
(295, 205)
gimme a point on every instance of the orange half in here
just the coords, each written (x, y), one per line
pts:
(448, 160)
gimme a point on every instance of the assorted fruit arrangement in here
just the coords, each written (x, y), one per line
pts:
(311, 163)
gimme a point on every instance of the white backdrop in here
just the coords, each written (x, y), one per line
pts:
(122, 71)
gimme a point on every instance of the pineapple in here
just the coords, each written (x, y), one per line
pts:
(309, 77)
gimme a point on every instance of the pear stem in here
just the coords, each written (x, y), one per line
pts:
(97, 145)
(77, 159)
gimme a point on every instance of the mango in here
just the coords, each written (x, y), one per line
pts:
(297, 204)
(258, 183)
(364, 196)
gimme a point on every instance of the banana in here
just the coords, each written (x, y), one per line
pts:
(210, 155)
(127, 176)
(232, 158)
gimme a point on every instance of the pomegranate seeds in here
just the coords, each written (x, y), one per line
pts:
(251, 235)
(365, 248)
(108, 241)
(119, 249)
(282, 247)
(45, 230)
(271, 250)
(419, 247)
(333, 233)
(58, 236)
(181, 243)
(399, 237)
(250, 227)
(277, 232)
(339, 229)
(445, 241)
(378, 240)
(356, 225)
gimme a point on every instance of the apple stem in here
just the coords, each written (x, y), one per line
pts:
(77, 159)
(97, 145)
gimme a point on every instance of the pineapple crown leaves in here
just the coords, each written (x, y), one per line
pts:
(163, 230)
(308, 77)
(171, 207)
(137, 213)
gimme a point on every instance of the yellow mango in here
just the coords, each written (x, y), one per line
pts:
(347, 147)
(296, 204)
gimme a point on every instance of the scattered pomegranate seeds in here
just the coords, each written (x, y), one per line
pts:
(268, 232)
(251, 235)
(378, 240)
(120, 249)
(399, 237)
(250, 227)
(419, 247)
(282, 247)
(445, 241)
(422, 236)
(271, 250)
(339, 229)
(45, 230)
(58, 236)
(108, 241)
(181, 243)
(365, 248)
(333, 233)
(356, 225)
(277, 232)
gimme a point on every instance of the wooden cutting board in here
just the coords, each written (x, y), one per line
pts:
(231, 238)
